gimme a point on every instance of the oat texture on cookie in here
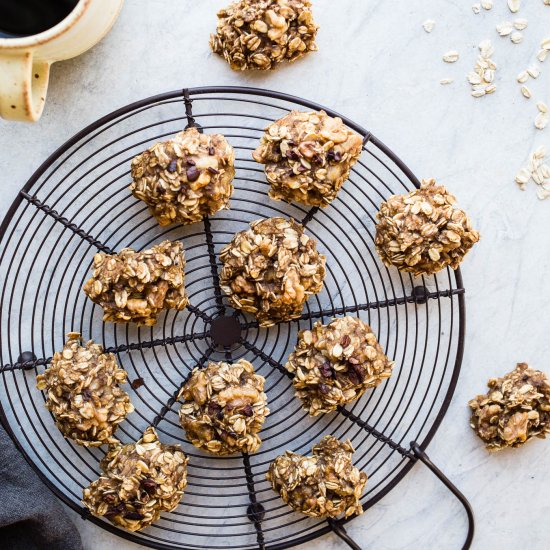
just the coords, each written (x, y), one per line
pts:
(186, 178)
(224, 408)
(271, 270)
(83, 393)
(260, 34)
(308, 156)
(423, 232)
(514, 410)
(139, 482)
(137, 286)
(324, 485)
(335, 364)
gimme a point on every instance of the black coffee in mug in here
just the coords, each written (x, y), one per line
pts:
(27, 17)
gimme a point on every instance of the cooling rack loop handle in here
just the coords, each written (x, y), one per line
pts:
(339, 530)
(425, 459)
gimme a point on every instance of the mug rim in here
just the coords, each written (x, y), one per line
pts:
(49, 34)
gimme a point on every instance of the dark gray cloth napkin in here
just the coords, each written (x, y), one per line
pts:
(31, 517)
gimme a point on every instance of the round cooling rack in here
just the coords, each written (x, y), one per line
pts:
(78, 202)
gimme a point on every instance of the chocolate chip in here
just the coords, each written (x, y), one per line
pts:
(326, 370)
(211, 151)
(133, 515)
(149, 485)
(213, 170)
(324, 389)
(333, 155)
(109, 497)
(193, 174)
(302, 169)
(213, 408)
(318, 159)
(116, 510)
(353, 377)
(248, 410)
(219, 415)
(360, 371)
(137, 383)
(172, 166)
(292, 155)
(191, 162)
(345, 341)
(86, 394)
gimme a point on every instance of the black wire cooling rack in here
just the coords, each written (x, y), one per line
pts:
(78, 202)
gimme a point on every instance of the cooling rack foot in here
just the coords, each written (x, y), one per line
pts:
(342, 533)
(424, 458)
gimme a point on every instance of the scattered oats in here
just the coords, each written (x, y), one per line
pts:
(546, 2)
(545, 44)
(523, 77)
(516, 37)
(520, 24)
(451, 56)
(476, 8)
(486, 49)
(444, 81)
(428, 25)
(514, 5)
(537, 170)
(487, 4)
(533, 72)
(541, 121)
(324, 485)
(542, 107)
(526, 92)
(505, 28)
(523, 176)
(482, 76)
(542, 55)
(474, 78)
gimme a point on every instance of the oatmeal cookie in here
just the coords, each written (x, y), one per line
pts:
(138, 286)
(83, 393)
(225, 408)
(423, 231)
(515, 409)
(260, 34)
(139, 481)
(271, 270)
(324, 485)
(307, 157)
(335, 364)
(185, 178)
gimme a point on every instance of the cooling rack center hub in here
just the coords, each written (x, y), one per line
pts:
(225, 331)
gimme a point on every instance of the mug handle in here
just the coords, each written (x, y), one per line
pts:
(23, 86)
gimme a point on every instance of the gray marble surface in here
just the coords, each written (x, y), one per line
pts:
(379, 67)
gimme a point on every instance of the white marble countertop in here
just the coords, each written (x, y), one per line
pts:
(378, 66)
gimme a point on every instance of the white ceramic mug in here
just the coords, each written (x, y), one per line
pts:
(25, 61)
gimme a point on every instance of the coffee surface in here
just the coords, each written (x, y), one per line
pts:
(27, 17)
